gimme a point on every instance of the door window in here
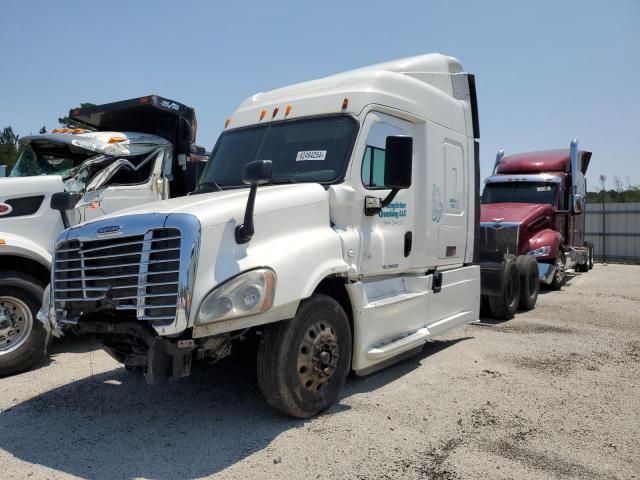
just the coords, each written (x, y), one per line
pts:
(374, 153)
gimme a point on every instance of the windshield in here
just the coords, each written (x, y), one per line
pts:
(520, 192)
(306, 150)
(52, 160)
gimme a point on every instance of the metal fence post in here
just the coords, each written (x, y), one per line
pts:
(604, 228)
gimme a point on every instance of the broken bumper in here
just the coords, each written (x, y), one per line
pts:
(47, 317)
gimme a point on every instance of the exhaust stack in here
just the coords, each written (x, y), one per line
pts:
(499, 156)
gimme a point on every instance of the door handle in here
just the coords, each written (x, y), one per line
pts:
(408, 242)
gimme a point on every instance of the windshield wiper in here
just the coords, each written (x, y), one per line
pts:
(204, 186)
(282, 179)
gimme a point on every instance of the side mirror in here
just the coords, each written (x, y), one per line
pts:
(257, 173)
(398, 162)
(578, 204)
(63, 201)
(254, 174)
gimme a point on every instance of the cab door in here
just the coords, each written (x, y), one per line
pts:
(127, 189)
(386, 239)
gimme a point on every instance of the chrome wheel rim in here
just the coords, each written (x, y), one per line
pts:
(16, 323)
(318, 356)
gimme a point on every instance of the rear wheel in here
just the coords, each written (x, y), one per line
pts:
(591, 254)
(303, 363)
(529, 281)
(22, 336)
(558, 276)
(505, 305)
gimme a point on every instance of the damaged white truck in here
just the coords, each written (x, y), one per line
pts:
(336, 219)
(128, 153)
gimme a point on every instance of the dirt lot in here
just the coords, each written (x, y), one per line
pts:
(554, 393)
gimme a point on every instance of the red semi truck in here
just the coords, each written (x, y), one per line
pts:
(533, 205)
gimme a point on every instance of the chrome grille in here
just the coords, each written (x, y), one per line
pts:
(499, 238)
(138, 273)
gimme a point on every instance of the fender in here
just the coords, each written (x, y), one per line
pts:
(23, 247)
(545, 237)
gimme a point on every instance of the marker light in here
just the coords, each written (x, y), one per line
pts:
(262, 114)
(275, 112)
(5, 209)
(76, 112)
(227, 122)
(345, 103)
(117, 139)
(2, 242)
(288, 110)
(144, 100)
(69, 130)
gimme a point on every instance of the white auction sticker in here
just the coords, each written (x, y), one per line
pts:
(311, 155)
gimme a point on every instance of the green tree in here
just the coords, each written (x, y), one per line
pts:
(9, 147)
(43, 130)
(67, 122)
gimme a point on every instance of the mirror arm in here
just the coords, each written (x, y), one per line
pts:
(65, 219)
(389, 198)
(245, 231)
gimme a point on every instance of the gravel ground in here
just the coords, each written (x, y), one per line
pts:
(554, 393)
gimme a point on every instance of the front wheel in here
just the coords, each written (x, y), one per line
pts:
(303, 362)
(558, 276)
(529, 281)
(22, 337)
(505, 305)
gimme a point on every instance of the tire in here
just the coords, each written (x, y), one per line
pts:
(559, 274)
(23, 339)
(591, 255)
(303, 362)
(529, 281)
(505, 305)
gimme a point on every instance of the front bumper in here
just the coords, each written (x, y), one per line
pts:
(48, 317)
(546, 271)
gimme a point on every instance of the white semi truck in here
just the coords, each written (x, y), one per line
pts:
(337, 219)
(131, 152)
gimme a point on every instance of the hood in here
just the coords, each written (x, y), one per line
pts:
(216, 208)
(514, 212)
(108, 143)
(14, 187)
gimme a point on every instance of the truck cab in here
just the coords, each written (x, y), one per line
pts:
(533, 204)
(336, 222)
(125, 153)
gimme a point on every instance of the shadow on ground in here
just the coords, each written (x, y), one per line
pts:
(113, 425)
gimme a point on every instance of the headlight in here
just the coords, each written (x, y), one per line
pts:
(540, 252)
(248, 293)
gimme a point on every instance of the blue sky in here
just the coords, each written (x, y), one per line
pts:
(546, 71)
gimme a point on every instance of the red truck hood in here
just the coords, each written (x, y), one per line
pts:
(513, 212)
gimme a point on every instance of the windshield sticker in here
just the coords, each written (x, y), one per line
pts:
(436, 205)
(546, 188)
(306, 155)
